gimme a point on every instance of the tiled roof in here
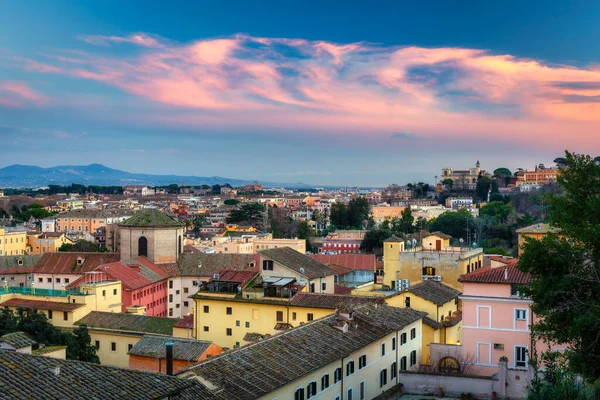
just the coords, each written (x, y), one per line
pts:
(502, 259)
(18, 340)
(26, 376)
(48, 235)
(241, 277)
(298, 262)
(255, 337)
(41, 305)
(152, 217)
(66, 263)
(432, 323)
(433, 291)
(183, 349)
(127, 272)
(332, 301)
(129, 322)
(454, 319)
(440, 234)
(255, 370)
(94, 214)
(10, 264)
(186, 322)
(504, 274)
(283, 326)
(538, 228)
(210, 264)
(339, 270)
(394, 238)
(339, 289)
(363, 262)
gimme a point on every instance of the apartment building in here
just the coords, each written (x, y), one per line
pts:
(12, 242)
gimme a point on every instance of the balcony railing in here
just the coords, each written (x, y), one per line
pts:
(36, 292)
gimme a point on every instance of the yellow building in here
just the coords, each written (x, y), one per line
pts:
(536, 231)
(249, 243)
(114, 334)
(47, 242)
(383, 212)
(354, 353)
(12, 243)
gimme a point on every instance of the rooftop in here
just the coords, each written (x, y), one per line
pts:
(18, 264)
(152, 217)
(32, 377)
(209, 264)
(41, 305)
(129, 322)
(434, 291)
(135, 273)
(260, 368)
(538, 228)
(18, 340)
(67, 263)
(507, 274)
(183, 349)
(363, 262)
(298, 262)
(332, 301)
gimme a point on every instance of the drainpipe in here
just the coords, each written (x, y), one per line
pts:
(342, 380)
(397, 359)
(169, 348)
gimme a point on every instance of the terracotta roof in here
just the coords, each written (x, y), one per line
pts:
(363, 262)
(129, 322)
(454, 319)
(298, 262)
(433, 291)
(332, 301)
(339, 270)
(94, 214)
(41, 305)
(502, 259)
(504, 274)
(240, 277)
(338, 289)
(210, 264)
(255, 370)
(394, 238)
(18, 340)
(183, 349)
(188, 248)
(440, 234)
(186, 322)
(10, 264)
(25, 376)
(66, 263)
(127, 272)
(432, 323)
(152, 217)
(47, 235)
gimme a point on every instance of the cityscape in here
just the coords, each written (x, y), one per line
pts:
(299, 201)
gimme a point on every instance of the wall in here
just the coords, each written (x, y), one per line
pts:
(153, 296)
(162, 243)
(185, 286)
(150, 364)
(12, 243)
(279, 270)
(119, 357)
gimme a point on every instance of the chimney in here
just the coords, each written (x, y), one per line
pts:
(505, 274)
(56, 370)
(169, 346)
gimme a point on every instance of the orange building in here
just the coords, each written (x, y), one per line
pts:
(80, 222)
(47, 242)
(541, 176)
(536, 231)
(381, 213)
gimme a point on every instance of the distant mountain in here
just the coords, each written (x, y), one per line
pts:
(98, 174)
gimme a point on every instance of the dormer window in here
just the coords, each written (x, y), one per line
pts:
(20, 261)
(80, 260)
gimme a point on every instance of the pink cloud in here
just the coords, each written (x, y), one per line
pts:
(342, 88)
(19, 94)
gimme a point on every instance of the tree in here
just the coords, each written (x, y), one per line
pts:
(231, 202)
(564, 268)
(373, 240)
(457, 224)
(358, 212)
(251, 213)
(484, 184)
(216, 189)
(497, 210)
(82, 246)
(448, 183)
(406, 222)
(339, 215)
(83, 339)
(303, 232)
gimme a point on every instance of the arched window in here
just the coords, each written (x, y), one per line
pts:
(449, 365)
(179, 252)
(143, 246)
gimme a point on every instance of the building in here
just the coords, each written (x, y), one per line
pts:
(382, 212)
(354, 353)
(540, 176)
(496, 318)
(83, 223)
(284, 262)
(351, 269)
(464, 179)
(33, 377)
(455, 203)
(138, 190)
(152, 234)
(15, 271)
(341, 246)
(535, 231)
(17, 341)
(249, 243)
(149, 353)
(12, 242)
(435, 259)
(46, 242)
(48, 224)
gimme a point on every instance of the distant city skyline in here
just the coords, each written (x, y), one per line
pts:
(344, 95)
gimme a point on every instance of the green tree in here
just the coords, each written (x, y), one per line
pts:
(87, 352)
(448, 183)
(358, 212)
(303, 232)
(251, 213)
(497, 210)
(338, 215)
(565, 269)
(231, 202)
(406, 222)
(82, 246)
(8, 322)
(373, 240)
(457, 224)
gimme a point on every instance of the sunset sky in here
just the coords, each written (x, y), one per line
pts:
(338, 94)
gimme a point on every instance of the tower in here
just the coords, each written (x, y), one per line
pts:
(392, 247)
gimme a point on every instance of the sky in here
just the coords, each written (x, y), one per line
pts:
(325, 93)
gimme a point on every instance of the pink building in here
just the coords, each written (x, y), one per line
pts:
(496, 318)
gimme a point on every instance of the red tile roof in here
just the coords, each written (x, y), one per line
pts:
(41, 305)
(186, 322)
(66, 263)
(502, 259)
(339, 270)
(362, 262)
(337, 289)
(241, 277)
(504, 274)
(135, 273)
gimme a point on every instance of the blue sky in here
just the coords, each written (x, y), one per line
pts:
(337, 93)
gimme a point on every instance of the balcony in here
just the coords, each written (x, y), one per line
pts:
(36, 292)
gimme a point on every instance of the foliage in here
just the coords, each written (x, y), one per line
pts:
(497, 210)
(216, 189)
(231, 202)
(87, 352)
(448, 183)
(454, 223)
(502, 172)
(353, 216)
(565, 270)
(373, 240)
(197, 224)
(496, 250)
(484, 184)
(250, 212)
(419, 190)
(303, 232)
(81, 246)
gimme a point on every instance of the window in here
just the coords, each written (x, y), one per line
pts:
(403, 364)
(393, 343)
(143, 246)
(113, 346)
(407, 302)
(267, 265)
(229, 311)
(177, 292)
(186, 290)
(49, 280)
(97, 345)
(177, 305)
(65, 315)
(66, 280)
(520, 315)
(393, 370)
(40, 280)
(205, 328)
(129, 347)
(349, 397)
(186, 304)
(337, 375)
(309, 317)
(279, 316)
(114, 292)
(311, 390)
(413, 358)
(362, 361)
(382, 349)
(350, 368)
(104, 293)
(520, 356)
(49, 314)
(428, 271)
(413, 333)
(323, 286)
(229, 332)
(383, 378)
(515, 290)
(293, 316)
(311, 288)
(247, 324)
(361, 391)
(403, 338)
(324, 381)
(170, 284)
(170, 312)
(237, 323)
(299, 395)
(57, 280)
(206, 309)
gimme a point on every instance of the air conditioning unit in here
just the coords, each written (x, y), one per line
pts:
(216, 276)
(437, 278)
(424, 277)
(399, 284)
(196, 283)
(405, 283)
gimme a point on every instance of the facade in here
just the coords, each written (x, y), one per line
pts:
(456, 203)
(540, 176)
(15, 271)
(78, 223)
(356, 354)
(46, 242)
(496, 318)
(536, 231)
(12, 242)
(463, 179)
(341, 246)
(351, 269)
(152, 234)
(48, 225)
(382, 212)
